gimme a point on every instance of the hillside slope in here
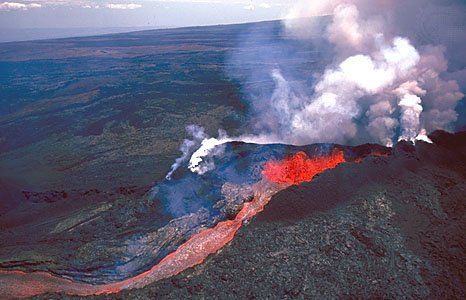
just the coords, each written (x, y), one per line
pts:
(389, 227)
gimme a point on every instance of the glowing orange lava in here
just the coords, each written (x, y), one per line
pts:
(299, 167)
(279, 175)
(17, 284)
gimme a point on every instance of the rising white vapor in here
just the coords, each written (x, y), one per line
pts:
(188, 146)
(202, 160)
(328, 114)
(377, 75)
(410, 111)
(386, 82)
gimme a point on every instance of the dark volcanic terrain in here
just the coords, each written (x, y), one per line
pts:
(388, 227)
(111, 111)
(89, 127)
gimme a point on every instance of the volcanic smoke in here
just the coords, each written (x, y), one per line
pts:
(379, 88)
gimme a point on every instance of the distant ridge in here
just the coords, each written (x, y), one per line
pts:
(13, 35)
(35, 34)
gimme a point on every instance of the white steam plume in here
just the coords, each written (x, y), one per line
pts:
(372, 79)
(377, 76)
(411, 109)
(188, 146)
(328, 115)
(202, 159)
(357, 28)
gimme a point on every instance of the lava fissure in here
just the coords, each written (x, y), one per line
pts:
(277, 175)
(300, 168)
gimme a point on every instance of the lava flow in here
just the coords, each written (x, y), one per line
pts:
(277, 175)
(300, 168)
(15, 284)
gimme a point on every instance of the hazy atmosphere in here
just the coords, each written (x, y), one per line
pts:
(24, 20)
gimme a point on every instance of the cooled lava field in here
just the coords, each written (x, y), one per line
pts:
(384, 223)
(89, 210)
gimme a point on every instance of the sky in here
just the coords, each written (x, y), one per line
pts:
(16, 14)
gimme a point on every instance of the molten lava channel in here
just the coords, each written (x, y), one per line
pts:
(277, 176)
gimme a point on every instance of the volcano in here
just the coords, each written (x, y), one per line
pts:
(246, 177)
(163, 164)
(329, 205)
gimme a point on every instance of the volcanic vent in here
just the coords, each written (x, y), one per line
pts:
(245, 179)
(299, 168)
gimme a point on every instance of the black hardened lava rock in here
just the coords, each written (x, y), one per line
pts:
(386, 228)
